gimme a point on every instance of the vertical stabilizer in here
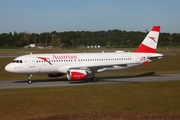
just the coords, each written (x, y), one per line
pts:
(150, 42)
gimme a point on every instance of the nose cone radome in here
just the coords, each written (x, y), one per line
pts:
(9, 68)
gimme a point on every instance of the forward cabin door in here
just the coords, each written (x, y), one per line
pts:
(31, 61)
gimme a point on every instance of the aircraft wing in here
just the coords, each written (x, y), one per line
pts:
(96, 68)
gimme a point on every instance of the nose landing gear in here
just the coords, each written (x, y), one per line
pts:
(29, 78)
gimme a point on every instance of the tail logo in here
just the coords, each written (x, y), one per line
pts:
(45, 59)
(153, 38)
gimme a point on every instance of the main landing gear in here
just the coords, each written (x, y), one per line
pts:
(94, 79)
(29, 78)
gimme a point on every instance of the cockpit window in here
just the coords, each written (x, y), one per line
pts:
(17, 61)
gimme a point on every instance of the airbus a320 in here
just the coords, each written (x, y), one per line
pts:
(79, 66)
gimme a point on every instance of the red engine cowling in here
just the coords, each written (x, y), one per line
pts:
(55, 75)
(76, 75)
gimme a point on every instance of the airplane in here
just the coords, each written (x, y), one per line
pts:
(79, 66)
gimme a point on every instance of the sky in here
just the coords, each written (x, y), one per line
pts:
(37, 16)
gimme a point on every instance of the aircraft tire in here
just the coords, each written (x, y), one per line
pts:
(29, 82)
(94, 79)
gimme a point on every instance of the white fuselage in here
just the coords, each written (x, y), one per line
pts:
(61, 63)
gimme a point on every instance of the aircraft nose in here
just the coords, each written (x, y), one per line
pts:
(8, 68)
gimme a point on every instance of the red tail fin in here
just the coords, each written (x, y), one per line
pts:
(149, 44)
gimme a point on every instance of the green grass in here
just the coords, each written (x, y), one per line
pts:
(158, 100)
(68, 50)
(27, 51)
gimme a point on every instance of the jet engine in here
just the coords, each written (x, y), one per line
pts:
(55, 75)
(76, 75)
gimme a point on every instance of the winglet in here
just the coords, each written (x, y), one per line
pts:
(149, 44)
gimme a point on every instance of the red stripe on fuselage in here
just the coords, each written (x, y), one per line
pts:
(144, 48)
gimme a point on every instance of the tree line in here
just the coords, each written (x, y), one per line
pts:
(72, 39)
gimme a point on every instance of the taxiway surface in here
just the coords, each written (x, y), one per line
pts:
(14, 84)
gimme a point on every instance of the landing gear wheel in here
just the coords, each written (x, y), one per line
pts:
(94, 79)
(29, 79)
